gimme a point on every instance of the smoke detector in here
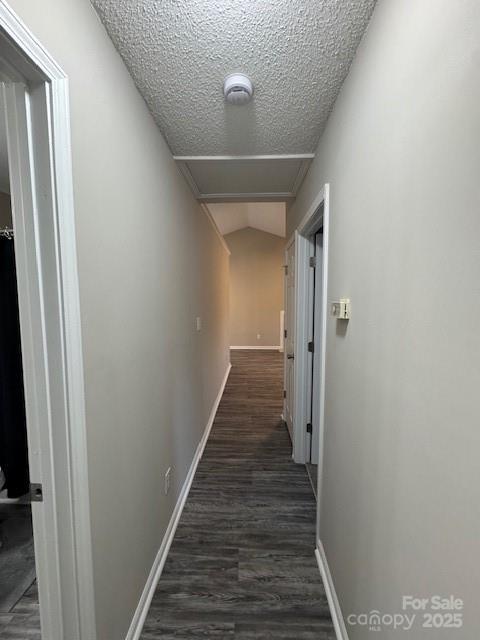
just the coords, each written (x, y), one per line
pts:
(237, 88)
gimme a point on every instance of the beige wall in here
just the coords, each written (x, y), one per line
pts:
(5, 211)
(256, 287)
(149, 263)
(401, 152)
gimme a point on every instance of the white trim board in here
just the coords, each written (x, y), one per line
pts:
(286, 156)
(141, 611)
(275, 347)
(333, 603)
(248, 196)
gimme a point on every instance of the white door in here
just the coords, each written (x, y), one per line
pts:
(290, 336)
(317, 356)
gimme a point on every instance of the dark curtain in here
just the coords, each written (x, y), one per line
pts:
(13, 428)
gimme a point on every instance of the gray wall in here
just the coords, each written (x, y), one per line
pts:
(400, 500)
(256, 287)
(149, 263)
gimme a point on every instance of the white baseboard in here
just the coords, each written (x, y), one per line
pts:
(141, 611)
(275, 347)
(333, 603)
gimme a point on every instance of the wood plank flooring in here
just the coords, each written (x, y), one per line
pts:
(23, 622)
(19, 608)
(242, 564)
(312, 471)
(17, 555)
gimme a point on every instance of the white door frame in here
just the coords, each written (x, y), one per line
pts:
(35, 96)
(316, 216)
(290, 331)
(316, 313)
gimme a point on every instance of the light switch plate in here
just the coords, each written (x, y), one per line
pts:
(341, 309)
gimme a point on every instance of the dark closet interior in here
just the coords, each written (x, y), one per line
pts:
(13, 430)
(17, 556)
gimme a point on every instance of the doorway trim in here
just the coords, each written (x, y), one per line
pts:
(316, 216)
(288, 415)
(35, 97)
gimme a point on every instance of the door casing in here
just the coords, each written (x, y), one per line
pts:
(316, 217)
(312, 445)
(35, 100)
(289, 346)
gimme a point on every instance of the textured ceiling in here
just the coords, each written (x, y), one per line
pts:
(297, 53)
(266, 216)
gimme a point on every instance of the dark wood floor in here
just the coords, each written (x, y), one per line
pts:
(23, 622)
(241, 565)
(312, 471)
(242, 562)
(19, 608)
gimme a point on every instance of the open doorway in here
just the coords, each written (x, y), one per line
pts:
(289, 336)
(49, 480)
(254, 234)
(19, 608)
(315, 298)
(306, 310)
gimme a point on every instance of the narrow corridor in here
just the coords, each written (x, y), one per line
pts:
(242, 562)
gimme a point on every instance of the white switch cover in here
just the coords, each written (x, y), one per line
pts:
(199, 324)
(341, 309)
(259, 336)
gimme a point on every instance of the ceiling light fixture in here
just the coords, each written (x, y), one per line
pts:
(237, 88)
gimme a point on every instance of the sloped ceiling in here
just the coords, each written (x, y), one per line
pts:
(296, 52)
(266, 216)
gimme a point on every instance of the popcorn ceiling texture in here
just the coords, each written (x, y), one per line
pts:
(297, 53)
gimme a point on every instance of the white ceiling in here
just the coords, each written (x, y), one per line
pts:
(265, 216)
(297, 53)
(250, 178)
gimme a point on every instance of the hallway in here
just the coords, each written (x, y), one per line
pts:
(242, 564)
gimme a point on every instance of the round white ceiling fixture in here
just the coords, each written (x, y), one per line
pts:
(237, 88)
